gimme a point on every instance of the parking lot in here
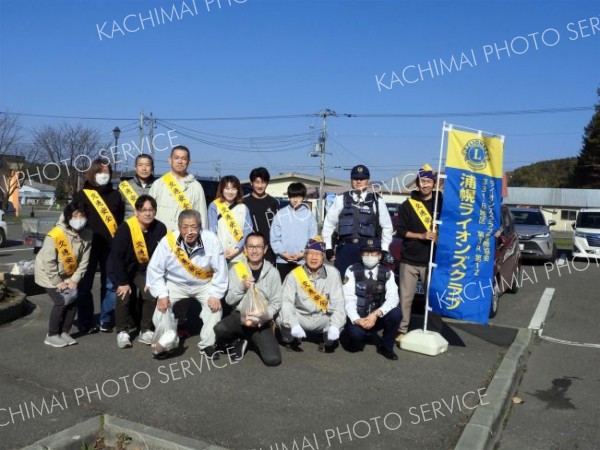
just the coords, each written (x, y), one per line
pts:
(315, 400)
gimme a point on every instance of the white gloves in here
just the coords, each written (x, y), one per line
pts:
(333, 334)
(298, 332)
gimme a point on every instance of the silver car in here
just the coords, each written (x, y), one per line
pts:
(535, 237)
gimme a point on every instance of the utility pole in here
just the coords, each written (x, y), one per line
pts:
(142, 130)
(322, 139)
(151, 135)
(218, 170)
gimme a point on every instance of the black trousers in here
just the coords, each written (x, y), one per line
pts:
(61, 316)
(262, 338)
(285, 268)
(125, 309)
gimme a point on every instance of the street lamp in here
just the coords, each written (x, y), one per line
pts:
(116, 134)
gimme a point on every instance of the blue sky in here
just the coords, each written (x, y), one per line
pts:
(291, 57)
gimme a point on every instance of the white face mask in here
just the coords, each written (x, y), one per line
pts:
(77, 224)
(370, 261)
(102, 179)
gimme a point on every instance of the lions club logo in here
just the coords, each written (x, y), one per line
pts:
(475, 154)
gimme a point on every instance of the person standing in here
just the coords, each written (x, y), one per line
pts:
(358, 215)
(105, 213)
(415, 227)
(245, 276)
(59, 266)
(262, 206)
(372, 300)
(133, 246)
(140, 184)
(229, 218)
(178, 190)
(313, 300)
(292, 227)
(191, 264)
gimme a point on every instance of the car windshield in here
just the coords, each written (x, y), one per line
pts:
(528, 218)
(588, 220)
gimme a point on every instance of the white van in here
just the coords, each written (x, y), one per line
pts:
(586, 239)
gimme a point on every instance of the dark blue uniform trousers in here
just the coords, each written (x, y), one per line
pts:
(345, 256)
(390, 322)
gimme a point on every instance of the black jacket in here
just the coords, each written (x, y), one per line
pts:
(122, 264)
(115, 204)
(415, 251)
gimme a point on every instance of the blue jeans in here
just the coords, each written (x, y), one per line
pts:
(390, 322)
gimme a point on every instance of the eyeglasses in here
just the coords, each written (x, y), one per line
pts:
(255, 247)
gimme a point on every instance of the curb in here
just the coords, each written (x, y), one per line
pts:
(111, 426)
(14, 308)
(481, 432)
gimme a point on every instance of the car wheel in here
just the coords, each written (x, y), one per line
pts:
(515, 285)
(554, 256)
(2, 238)
(494, 303)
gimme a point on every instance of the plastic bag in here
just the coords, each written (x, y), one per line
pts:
(165, 332)
(253, 309)
(23, 268)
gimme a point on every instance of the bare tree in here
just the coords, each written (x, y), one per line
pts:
(14, 156)
(69, 150)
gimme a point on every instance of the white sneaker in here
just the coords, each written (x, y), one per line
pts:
(68, 339)
(55, 341)
(123, 340)
(146, 337)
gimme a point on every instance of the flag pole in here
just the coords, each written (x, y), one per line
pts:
(435, 221)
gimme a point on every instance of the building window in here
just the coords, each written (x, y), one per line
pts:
(568, 214)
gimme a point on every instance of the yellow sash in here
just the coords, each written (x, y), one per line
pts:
(422, 213)
(137, 238)
(319, 299)
(229, 218)
(176, 191)
(63, 247)
(241, 270)
(102, 209)
(193, 269)
(127, 190)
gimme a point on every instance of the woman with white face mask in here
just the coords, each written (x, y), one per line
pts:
(106, 211)
(59, 267)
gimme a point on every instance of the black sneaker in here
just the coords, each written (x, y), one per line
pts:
(239, 349)
(293, 346)
(326, 348)
(388, 354)
(211, 352)
(106, 327)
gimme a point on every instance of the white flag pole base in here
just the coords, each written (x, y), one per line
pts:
(425, 342)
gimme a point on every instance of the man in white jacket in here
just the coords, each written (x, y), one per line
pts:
(313, 300)
(191, 264)
(177, 190)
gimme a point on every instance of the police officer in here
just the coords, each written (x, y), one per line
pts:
(371, 300)
(358, 216)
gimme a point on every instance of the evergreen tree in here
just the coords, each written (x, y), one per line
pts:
(587, 170)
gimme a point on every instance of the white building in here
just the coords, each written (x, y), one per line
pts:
(34, 193)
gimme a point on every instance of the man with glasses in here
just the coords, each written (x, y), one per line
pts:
(253, 276)
(139, 184)
(134, 243)
(178, 190)
(415, 219)
(191, 264)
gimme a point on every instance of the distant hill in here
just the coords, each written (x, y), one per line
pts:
(554, 173)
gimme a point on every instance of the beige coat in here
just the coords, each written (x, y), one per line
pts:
(49, 269)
